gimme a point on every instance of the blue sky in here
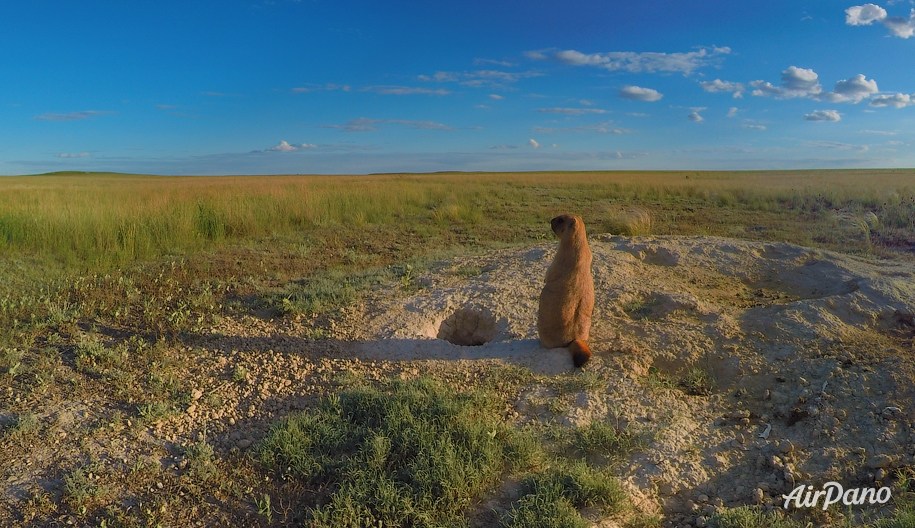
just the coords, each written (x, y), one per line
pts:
(314, 86)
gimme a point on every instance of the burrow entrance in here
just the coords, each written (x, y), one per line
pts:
(468, 326)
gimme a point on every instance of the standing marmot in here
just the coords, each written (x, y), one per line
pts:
(567, 299)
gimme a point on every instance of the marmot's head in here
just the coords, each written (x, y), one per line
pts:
(567, 224)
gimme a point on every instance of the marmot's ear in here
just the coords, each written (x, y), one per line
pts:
(572, 221)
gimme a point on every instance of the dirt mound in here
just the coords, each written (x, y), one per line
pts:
(807, 356)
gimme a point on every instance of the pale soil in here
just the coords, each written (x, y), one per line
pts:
(811, 352)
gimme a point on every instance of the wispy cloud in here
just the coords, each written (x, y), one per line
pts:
(73, 155)
(636, 61)
(838, 145)
(480, 78)
(365, 124)
(533, 143)
(572, 111)
(753, 125)
(868, 14)
(70, 116)
(824, 115)
(695, 116)
(405, 90)
(638, 93)
(326, 87)
(493, 62)
(599, 128)
(736, 89)
(219, 94)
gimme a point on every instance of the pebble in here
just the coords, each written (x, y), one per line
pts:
(758, 496)
(244, 443)
(197, 394)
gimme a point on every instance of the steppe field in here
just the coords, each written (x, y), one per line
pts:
(361, 350)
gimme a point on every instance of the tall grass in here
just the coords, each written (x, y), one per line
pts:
(105, 220)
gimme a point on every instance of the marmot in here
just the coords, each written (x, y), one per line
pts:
(567, 299)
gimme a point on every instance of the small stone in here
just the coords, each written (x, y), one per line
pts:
(880, 461)
(785, 446)
(701, 521)
(231, 421)
(244, 443)
(758, 496)
(702, 498)
(196, 394)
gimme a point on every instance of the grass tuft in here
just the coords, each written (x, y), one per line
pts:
(411, 453)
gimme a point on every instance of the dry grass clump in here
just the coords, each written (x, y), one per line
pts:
(632, 221)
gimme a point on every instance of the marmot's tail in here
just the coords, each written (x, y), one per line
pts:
(580, 352)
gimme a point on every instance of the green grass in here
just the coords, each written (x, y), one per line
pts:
(554, 496)
(409, 454)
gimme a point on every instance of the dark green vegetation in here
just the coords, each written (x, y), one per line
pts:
(418, 454)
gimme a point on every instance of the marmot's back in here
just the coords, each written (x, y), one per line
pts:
(567, 299)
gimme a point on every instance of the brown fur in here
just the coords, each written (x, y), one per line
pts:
(567, 299)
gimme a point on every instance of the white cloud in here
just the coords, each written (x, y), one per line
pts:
(716, 86)
(824, 115)
(750, 125)
(864, 15)
(695, 117)
(285, 146)
(496, 97)
(897, 100)
(803, 82)
(637, 93)
(901, 27)
(732, 111)
(72, 155)
(799, 82)
(636, 62)
(796, 82)
(853, 90)
(572, 111)
(867, 14)
(534, 143)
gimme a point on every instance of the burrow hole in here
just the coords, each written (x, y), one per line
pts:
(468, 326)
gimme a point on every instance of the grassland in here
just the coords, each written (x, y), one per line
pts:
(105, 280)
